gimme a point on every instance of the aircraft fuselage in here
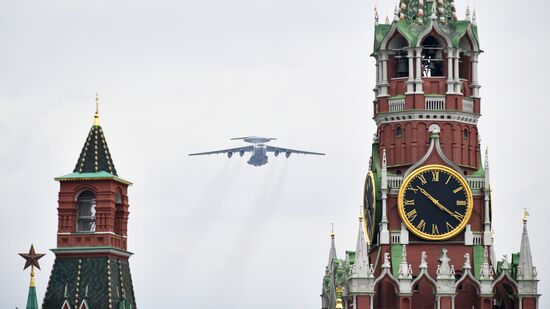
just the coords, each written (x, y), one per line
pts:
(259, 156)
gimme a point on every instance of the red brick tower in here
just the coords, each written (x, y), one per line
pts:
(91, 268)
(427, 206)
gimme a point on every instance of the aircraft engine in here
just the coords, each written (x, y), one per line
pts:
(229, 154)
(276, 152)
(241, 153)
(287, 154)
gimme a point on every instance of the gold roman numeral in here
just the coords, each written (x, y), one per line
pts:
(411, 214)
(449, 227)
(435, 176)
(412, 189)
(422, 179)
(461, 203)
(448, 179)
(459, 216)
(421, 225)
(409, 202)
(458, 189)
(435, 230)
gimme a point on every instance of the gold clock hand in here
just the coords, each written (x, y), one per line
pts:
(437, 203)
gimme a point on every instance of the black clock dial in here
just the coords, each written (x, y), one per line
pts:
(369, 206)
(435, 202)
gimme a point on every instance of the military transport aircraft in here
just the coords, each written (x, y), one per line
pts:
(259, 150)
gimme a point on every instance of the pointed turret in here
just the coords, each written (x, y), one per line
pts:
(31, 260)
(332, 253)
(487, 233)
(526, 270)
(405, 271)
(95, 156)
(361, 267)
(32, 302)
(331, 272)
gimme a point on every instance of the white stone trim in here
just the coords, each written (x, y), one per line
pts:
(425, 115)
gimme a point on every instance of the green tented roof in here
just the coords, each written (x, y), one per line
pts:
(95, 155)
(91, 176)
(108, 281)
(411, 31)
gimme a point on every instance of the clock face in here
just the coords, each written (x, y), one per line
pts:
(435, 202)
(369, 206)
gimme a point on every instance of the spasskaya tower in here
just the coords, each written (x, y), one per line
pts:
(425, 235)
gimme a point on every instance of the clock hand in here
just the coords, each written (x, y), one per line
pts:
(437, 203)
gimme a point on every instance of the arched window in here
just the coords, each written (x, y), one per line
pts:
(398, 132)
(86, 212)
(398, 46)
(119, 214)
(432, 57)
(466, 134)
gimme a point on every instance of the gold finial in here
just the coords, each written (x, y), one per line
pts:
(33, 283)
(96, 116)
(339, 302)
(525, 215)
(332, 231)
(360, 213)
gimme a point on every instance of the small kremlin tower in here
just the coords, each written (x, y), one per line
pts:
(91, 269)
(425, 234)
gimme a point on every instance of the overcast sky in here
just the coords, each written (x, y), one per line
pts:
(177, 77)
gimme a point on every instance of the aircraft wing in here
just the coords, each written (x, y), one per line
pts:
(288, 151)
(232, 150)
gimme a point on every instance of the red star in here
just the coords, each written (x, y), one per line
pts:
(31, 258)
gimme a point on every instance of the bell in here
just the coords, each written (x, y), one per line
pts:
(402, 67)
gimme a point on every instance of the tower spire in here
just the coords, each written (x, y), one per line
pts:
(96, 115)
(361, 267)
(526, 269)
(95, 156)
(332, 253)
(31, 260)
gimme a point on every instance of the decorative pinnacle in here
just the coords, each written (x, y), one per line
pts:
(376, 17)
(360, 213)
(31, 260)
(525, 215)
(96, 116)
(332, 231)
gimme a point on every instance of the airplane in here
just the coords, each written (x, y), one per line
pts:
(259, 150)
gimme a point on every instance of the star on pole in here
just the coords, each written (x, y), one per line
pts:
(31, 258)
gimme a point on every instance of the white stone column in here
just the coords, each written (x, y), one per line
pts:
(384, 71)
(458, 85)
(410, 81)
(475, 83)
(419, 71)
(377, 87)
(487, 233)
(450, 78)
(384, 232)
